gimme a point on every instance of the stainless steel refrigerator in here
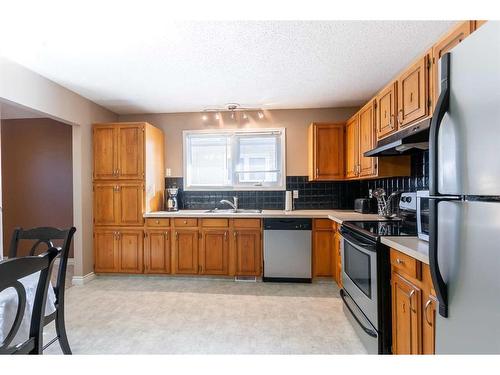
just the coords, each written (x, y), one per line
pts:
(464, 186)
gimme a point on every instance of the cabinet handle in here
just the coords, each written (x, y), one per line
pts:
(235, 234)
(400, 118)
(176, 235)
(157, 221)
(412, 293)
(400, 261)
(185, 222)
(225, 236)
(427, 304)
(317, 171)
(391, 121)
(166, 234)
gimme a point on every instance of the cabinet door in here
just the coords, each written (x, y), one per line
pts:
(105, 251)
(105, 152)
(338, 256)
(406, 316)
(446, 44)
(130, 250)
(131, 203)
(131, 151)
(248, 252)
(352, 147)
(429, 324)
(323, 253)
(386, 108)
(328, 151)
(367, 165)
(413, 95)
(157, 251)
(106, 204)
(186, 251)
(214, 252)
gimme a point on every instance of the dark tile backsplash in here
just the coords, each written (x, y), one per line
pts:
(312, 195)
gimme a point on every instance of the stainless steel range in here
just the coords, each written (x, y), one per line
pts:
(366, 274)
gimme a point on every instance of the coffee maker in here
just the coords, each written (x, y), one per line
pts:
(172, 204)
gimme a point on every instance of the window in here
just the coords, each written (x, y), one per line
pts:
(234, 160)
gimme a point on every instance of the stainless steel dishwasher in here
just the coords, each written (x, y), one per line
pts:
(287, 250)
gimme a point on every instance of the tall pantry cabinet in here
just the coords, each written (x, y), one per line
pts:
(128, 165)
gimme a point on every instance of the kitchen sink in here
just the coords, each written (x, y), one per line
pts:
(232, 211)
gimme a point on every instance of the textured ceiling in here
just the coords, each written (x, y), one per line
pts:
(188, 66)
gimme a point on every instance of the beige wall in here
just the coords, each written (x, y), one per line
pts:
(295, 121)
(26, 88)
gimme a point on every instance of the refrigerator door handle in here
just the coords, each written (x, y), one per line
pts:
(442, 107)
(437, 278)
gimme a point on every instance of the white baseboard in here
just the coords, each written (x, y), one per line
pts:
(82, 280)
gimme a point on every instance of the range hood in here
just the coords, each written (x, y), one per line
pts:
(405, 141)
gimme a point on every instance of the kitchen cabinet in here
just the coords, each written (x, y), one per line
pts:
(157, 252)
(118, 203)
(367, 165)
(451, 39)
(406, 316)
(105, 152)
(118, 250)
(413, 93)
(214, 251)
(352, 147)
(385, 111)
(248, 251)
(413, 306)
(326, 152)
(337, 240)
(323, 254)
(185, 251)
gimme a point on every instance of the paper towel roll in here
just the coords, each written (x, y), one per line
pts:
(288, 201)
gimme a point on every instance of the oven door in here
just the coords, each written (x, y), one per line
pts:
(359, 273)
(423, 215)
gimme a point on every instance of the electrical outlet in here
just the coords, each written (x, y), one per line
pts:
(168, 172)
(295, 194)
(370, 193)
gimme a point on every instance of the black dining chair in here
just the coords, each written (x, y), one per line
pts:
(47, 236)
(11, 271)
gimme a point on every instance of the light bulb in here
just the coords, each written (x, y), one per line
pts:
(204, 117)
(217, 116)
(261, 115)
(245, 116)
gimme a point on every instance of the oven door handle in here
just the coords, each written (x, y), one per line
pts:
(368, 331)
(357, 242)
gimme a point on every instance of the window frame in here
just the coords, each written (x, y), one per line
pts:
(281, 186)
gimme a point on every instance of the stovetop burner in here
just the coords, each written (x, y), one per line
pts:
(376, 229)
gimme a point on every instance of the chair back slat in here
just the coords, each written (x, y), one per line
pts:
(12, 270)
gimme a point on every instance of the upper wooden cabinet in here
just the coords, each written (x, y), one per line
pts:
(105, 152)
(119, 203)
(352, 147)
(326, 152)
(367, 165)
(386, 111)
(413, 93)
(451, 39)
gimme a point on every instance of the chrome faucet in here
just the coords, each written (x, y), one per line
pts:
(233, 204)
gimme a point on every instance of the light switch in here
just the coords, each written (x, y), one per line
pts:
(168, 172)
(295, 194)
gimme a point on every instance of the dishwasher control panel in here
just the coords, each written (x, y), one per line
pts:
(288, 224)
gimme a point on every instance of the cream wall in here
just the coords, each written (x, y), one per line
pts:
(26, 88)
(295, 121)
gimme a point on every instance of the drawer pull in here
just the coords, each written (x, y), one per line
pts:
(411, 300)
(427, 304)
(400, 261)
(185, 222)
(157, 221)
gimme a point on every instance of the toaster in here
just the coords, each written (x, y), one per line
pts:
(365, 205)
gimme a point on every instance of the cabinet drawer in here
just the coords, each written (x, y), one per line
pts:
(186, 222)
(406, 264)
(214, 222)
(323, 224)
(246, 223)
(158, 222)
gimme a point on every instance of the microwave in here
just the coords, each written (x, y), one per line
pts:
(423, 214)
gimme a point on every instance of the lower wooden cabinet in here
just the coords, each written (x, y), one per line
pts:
(323, 252)
(248, 251)
(214, 252)
(413, 306)
(118, 250)
(185, 248)
(157, 252)
(406, 316)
